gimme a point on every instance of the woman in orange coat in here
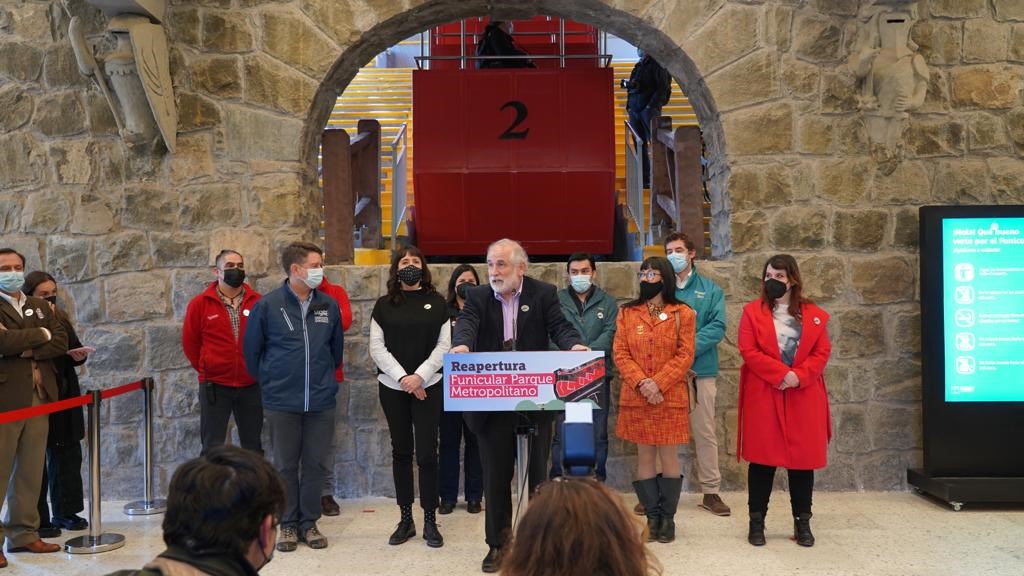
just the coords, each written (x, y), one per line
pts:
(653, 349)
(783, 405)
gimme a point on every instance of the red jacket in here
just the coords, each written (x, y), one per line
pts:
(209, 342)
(788, 428)
(339, 294)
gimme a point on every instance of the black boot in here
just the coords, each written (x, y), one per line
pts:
(670, 489)
(406, 527)
(802, 529)
(647, 493)
(756, 533)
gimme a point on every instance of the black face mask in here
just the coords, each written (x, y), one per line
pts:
(774, 289)
(462, 290)
(234, 277)
(51, 299)
(649, 290)
(410, 275)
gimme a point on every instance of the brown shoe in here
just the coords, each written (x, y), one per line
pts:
(328, 506)
(3, 560)
(713, 503)
(37, 547)
(639, 509)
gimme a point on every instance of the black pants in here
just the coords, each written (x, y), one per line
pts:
(759, 486)
(413, 425)
(63, 476)
(453, 430)
(218, 403)
(299, 443)
(498, 455)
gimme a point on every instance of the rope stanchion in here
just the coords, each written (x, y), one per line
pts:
(44, 409)
(149, 505)
(96, 541)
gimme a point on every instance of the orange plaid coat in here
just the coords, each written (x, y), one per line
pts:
(647, 347)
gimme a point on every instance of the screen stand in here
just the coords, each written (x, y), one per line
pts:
(960, 490)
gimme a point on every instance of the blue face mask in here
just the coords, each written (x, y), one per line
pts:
(11, 282)
(580, 282)
(678, 261)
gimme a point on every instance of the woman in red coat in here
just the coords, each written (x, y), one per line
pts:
(653, 349)
(783, 405)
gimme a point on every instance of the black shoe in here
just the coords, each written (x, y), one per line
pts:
(756, 533)
(73, 522)
(802, 529)
(668, 530)
(406, 529)
(473, 507)
(48, 531)
(446, 508)
(431, 535)
(491, 561)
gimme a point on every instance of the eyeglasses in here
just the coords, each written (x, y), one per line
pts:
(648, 275)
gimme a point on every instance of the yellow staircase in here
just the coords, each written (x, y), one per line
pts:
(385, 94)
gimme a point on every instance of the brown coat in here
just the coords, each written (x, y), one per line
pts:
(21, 334)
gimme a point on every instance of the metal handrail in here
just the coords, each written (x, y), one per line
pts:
(399, 149)
(635, 181)
(606, 57)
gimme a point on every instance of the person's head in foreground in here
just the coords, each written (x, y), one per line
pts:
(226, 503)
(578, 527)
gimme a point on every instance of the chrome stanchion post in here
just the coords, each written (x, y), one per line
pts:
(96, 541)
(523, 437)
(149, 505)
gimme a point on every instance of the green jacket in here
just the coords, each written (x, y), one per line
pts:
(708, 301)
(597, 323)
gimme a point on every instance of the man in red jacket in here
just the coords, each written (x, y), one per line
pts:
(328, 505)
(212, 339)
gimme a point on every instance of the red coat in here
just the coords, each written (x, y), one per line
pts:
(788, 428)
(339, 294)
(209, 342)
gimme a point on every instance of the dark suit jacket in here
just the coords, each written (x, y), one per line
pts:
(21, 334)
(539, 321)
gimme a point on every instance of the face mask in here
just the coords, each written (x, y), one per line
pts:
(51, 299)
(11, 282)
(678, 261)
(640, 53)
(410, 275)
(234, 277)
(462, 290)
(774, 289)
(580, 283)
(266, 558)
(649, 290)
(314, 276)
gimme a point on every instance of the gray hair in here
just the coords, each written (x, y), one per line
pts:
(518, 254)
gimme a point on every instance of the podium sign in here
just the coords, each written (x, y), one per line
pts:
(499, 381)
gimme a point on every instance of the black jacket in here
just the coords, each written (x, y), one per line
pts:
(497, 42)
(650, 85)
(68, 426)
(539, 322)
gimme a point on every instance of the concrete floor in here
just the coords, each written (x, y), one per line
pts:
(898, 534)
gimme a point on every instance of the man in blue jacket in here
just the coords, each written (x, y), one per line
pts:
(592, 312)
(706, 298)
(293, 343)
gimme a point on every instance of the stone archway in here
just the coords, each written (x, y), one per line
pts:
(639, 29)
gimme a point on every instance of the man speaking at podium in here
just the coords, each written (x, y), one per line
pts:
(513, 313)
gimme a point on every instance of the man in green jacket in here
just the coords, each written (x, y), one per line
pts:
(592, 312)
(708, 301)
(222, 513)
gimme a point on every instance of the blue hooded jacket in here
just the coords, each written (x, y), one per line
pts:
(293, 356)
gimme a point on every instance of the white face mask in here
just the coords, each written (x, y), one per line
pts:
(580, 283)
(314, 276)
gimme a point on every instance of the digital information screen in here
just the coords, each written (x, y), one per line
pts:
(983, 309)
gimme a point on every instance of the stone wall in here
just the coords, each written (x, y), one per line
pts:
(130, 234)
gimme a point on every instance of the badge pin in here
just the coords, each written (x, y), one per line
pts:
(600, 315)
(524, 308)
(426, 306)
(640, 329)
(245, 312)
(817, 320)
(662, 316)
(28, 312)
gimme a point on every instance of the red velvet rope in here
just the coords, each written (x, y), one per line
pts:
(51, 407)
